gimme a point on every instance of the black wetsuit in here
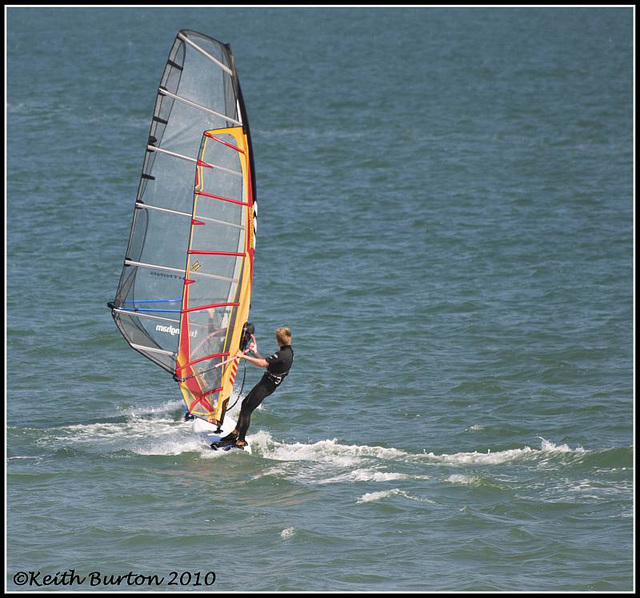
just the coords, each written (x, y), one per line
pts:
(279, 365)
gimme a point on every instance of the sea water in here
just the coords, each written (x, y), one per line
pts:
(446, 224)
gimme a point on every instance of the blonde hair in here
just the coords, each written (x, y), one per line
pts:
(283, 336)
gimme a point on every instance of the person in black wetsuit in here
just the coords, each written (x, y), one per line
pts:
(278, 366)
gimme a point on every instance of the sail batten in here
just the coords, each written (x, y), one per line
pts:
(198, 106)
(193, 232)
(145, 315)
(177, 213)
(152, 349)
(205, 53)
(153, 148)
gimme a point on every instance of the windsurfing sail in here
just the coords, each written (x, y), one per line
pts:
(185, 289)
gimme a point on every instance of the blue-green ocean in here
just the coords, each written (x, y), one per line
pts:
(446, 225)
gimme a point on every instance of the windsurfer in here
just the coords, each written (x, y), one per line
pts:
(278, 366)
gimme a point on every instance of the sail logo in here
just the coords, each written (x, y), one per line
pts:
(173, 330)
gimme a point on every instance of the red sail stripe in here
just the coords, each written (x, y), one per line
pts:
(210, 136)
(186, 365)
(210, 392)
(184, 311)
(212, 196)
(200, 252)
(208, 406)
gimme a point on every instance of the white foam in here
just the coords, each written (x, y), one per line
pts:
(474, 428)
(140, 411)
(158, 436)
(373, 496)
(371, 475)
(146, 431)
(286, 533)
(461, 479)
(547, 446)
(170, 446)
(500, 457)
(323, 450)
(487, 458)
(155, 431)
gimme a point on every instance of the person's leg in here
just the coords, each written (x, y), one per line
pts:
(260, 392)
(246, 407)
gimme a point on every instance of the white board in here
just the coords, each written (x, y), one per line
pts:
(208, 431)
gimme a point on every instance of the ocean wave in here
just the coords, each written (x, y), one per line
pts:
(158, 430)
(153, 410)
(375, 496)
(371, 475)
(330, 451)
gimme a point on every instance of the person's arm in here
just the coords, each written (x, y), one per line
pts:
(259, 361)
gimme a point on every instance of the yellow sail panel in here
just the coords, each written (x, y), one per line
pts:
(217, 286)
